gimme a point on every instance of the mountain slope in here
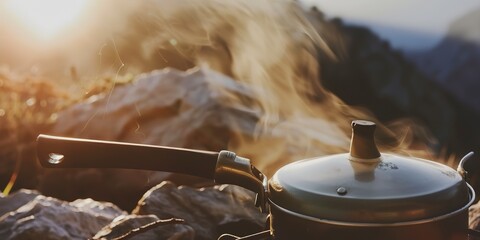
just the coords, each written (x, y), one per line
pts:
(455, 62)
(370, 74)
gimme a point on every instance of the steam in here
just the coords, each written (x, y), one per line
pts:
(269, 45)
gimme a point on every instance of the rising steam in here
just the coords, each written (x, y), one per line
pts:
(271, 46)
(267, 44)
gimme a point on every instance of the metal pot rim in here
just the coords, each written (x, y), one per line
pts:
(355, 224)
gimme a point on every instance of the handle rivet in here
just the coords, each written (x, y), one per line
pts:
(55, 158)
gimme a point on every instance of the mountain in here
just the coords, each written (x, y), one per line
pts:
(369, 73)
(455, 62)
(400, 37)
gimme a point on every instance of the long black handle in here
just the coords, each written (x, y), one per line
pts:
(62, 152)
(222, 167)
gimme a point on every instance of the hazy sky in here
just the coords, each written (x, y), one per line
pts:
(392, 19)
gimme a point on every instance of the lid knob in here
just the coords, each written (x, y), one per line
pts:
(363, 145)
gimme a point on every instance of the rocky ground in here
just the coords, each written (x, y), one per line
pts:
(164, 212)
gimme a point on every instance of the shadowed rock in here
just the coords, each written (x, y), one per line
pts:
(16, 200)
(128, 227)
(209, 211)
(51, 219)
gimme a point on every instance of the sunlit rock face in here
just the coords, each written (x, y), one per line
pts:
(164, 107)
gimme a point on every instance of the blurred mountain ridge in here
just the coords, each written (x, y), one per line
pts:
(400, 37)
(370, 73)
(454, 62)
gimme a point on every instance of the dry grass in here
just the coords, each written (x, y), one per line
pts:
(27, 108)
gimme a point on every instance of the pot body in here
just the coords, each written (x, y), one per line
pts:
(287, 225)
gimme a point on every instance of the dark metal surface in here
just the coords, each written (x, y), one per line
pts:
(473, 234)
(394, 189)
(286, 227)
(61, 152)
(266, 235)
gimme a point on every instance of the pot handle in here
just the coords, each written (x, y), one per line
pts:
(462, 165)
(233, 169)
(223, 167)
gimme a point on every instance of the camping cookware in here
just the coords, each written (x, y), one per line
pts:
(363, 194)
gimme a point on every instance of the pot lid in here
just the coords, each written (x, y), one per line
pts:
(364, 186)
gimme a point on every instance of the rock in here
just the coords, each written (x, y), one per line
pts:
(167, 229)
(158, 108)
(16, 200)
(210, 211)
(51, 219)
(474, 216)
(474, 219)
(196, 109)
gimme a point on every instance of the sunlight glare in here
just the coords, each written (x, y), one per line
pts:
(46, 17)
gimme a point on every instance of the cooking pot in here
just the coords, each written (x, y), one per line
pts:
(363, 194)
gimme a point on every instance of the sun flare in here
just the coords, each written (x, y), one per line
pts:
(47, 17)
